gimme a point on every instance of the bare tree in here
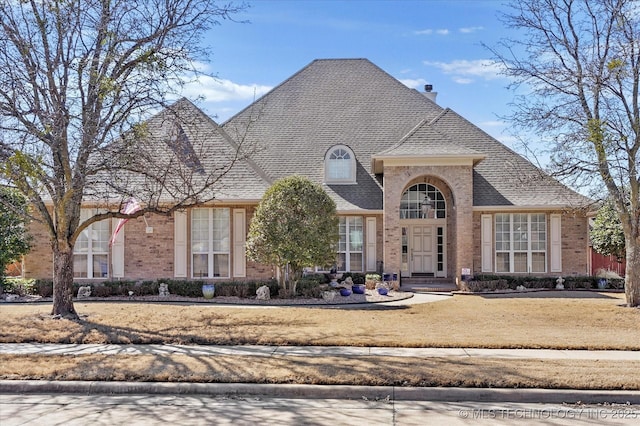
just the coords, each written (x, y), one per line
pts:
(579, 64)
(75, 79)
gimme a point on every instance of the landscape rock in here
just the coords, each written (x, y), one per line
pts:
(84, 292)
(163, 290)
(263, 293)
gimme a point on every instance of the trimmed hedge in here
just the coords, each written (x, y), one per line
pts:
(186, 288)
(482, 283)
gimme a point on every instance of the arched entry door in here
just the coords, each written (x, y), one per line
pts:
(423, 221)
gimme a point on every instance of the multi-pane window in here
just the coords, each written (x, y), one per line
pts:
(91, 251)
(340, 165)
(422, 201)
(350, 245)
(521, 242)
(210, 242)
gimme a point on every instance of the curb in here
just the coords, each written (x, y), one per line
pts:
(569, 396)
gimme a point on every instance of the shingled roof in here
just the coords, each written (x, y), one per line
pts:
(329, 102)
(189, 152)
(355, 103)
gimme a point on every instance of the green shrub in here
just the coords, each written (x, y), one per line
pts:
(322, 278)
(373, 277)
(43, 288)
(101, 290)
(487, 282)
(187, 288)
(18, 286)
(580, 282)
(235, 289)
(356, 277)
(146, 288)
(311, 287)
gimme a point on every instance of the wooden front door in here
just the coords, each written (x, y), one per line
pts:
(423, 249)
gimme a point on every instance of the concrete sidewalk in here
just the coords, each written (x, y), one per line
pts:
(346, 392)
(311, 351)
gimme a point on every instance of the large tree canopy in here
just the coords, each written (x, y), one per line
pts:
(74, 76)
(295, 226)
(577, 64)
(14, 239)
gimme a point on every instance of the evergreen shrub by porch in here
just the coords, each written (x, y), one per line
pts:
(357, 277)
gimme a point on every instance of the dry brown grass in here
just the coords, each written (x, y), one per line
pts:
(561, 320)
(375, 371)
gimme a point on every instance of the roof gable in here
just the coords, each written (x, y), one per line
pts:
(505, 178)
(183, 147)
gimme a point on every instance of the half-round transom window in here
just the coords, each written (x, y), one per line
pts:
(340, 165)
(422, 201)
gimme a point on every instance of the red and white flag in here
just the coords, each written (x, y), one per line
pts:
(131, 207)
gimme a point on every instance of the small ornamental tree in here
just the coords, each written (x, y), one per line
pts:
(295, 226)
(607, 236)
(14, 240)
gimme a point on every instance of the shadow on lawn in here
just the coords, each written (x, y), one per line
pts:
(208, 332)
(358, 370)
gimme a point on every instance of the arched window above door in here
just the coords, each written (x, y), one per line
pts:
(422, 201)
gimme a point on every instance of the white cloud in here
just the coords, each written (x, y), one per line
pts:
(414, 83)
(222, 90)
(468, 30)
(463, 71)
(429, 31)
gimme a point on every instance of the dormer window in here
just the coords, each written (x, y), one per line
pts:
(340, 165)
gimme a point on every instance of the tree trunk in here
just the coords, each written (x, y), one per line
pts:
(632, 272)
(63, 284)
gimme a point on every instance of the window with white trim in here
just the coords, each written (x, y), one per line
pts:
(210, 242)
(91, 250)
(521, 242)
(350, 245)
(340, 165)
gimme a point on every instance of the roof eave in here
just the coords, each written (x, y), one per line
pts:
(377, 161)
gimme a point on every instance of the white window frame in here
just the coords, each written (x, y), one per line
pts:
(213, 247)
(340, 151)
(350, 225)
(412, 199)
(515, 240)
(94, 233)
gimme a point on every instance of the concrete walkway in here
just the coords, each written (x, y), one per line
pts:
(310, 351)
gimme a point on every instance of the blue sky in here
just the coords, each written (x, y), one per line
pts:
(417, 41)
